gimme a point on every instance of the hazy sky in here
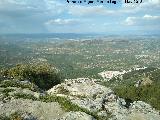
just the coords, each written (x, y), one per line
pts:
(50, 16)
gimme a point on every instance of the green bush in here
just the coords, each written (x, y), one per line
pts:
(18, 84)
(43, 75)
(6, 91)
(24, 96)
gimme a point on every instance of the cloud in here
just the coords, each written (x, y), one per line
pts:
(149, 17)
(66, 25)
(62, 22)
(130, 21)
(58, 16)
(79, 10)
(102, 10)
(147, 5)
(146, 20)
(22, 8)
(27, 15)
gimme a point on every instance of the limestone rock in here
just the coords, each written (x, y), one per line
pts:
(41, 110)
(76, 116)
(86, 93)
(83, 91)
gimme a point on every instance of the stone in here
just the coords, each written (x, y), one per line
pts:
(40, 110)
(84, 92)
(76, 116)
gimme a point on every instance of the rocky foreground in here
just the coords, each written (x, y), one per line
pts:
(93, 101)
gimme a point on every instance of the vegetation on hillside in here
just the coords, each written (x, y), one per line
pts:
(81, 58)
(149, 94)
(42, 75)
(147, 91)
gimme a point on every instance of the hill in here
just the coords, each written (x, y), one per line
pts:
(138, 85)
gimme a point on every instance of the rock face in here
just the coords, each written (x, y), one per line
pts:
(88, 94)
(84, 92)
(41, 110)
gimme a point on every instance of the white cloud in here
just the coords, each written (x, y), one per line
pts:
(146, 20)
(56, 15)
(130, 21)
(30, 7)
(154, 1)
(28, 15)
(62, 22)
(149, 17)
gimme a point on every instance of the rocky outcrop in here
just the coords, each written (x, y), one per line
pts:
(89, 98)
(88, 94)
(40, 110)
(84, 92)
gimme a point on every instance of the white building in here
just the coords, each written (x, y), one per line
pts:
(110, 74)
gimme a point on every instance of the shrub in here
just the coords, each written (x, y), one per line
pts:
(43, 75)
(25, 96)
(6, 91)
(14, 83)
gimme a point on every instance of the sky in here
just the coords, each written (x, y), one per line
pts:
(58, 16)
